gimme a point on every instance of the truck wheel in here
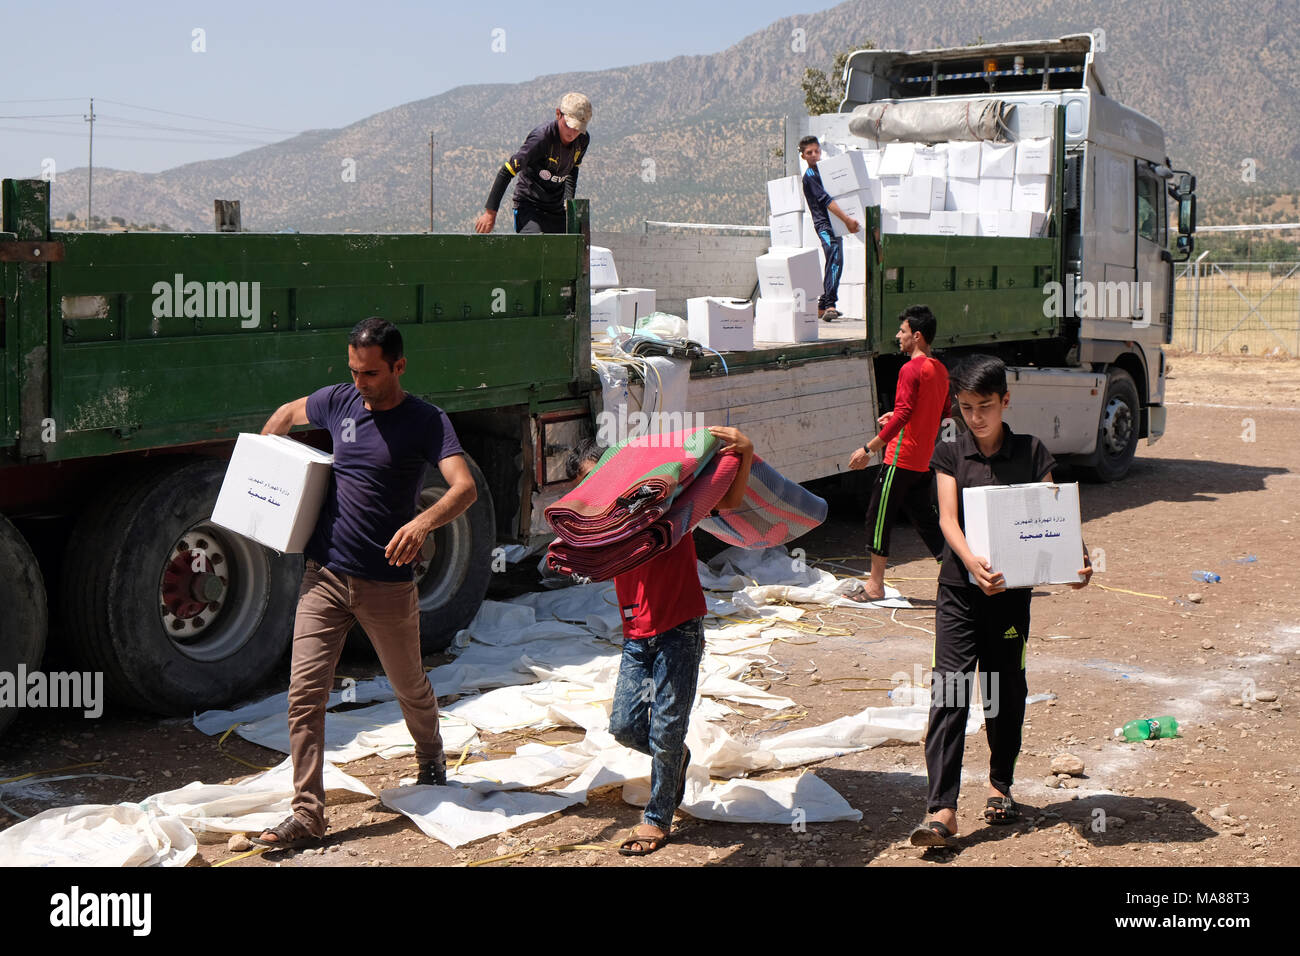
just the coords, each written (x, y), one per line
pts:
(1117, 432)
(454, 568)
(179, 614)
(23, 614)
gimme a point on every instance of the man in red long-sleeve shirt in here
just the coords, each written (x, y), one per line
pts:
(907, 435)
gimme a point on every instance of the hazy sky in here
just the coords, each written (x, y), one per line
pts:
(278, 67)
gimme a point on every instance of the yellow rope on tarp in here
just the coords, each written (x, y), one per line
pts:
(543, 849)
(39, 773)
(255, 851)
(1135, 593)
(221, 748)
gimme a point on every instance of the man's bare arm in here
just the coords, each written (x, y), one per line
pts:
(461, 493)
(286, 416)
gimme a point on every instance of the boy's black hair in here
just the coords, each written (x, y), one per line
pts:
(920, 320)
(981, 374)
(808, 141)
(377, 331)
(588, 450)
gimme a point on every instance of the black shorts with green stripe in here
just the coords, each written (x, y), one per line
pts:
(912, 492)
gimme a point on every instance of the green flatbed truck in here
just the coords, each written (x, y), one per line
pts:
(130, 362)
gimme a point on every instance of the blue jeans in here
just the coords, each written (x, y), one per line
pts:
(833, 246)
(652, 708)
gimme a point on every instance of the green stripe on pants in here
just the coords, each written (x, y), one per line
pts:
(881, 509)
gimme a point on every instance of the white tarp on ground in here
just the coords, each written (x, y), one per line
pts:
(543, 660)
(252, 805)
(120, 834)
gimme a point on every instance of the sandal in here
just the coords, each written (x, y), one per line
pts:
(1000, 810)
(931, 833)
(646, 844)
(290, 834)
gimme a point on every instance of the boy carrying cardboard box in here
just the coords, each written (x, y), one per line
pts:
(980, 623)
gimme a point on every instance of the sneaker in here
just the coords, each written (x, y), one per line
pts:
(433, 773)
(829, 315)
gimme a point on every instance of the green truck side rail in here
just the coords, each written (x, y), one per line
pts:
(129, 341)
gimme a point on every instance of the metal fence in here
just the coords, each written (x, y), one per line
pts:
(1238, 307)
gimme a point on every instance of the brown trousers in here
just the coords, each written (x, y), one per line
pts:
(328, 603)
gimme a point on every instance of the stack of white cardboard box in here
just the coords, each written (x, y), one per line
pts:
(947, 189)
(610, 304)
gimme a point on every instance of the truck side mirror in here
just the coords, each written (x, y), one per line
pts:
(1187, 214)
(1185, 246)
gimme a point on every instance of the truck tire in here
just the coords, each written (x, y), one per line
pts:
(1117, 431)
(23, 614)
(455, 568)
(179, 614)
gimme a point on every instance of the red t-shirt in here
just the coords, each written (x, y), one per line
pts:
(665, 591)
(920, 404)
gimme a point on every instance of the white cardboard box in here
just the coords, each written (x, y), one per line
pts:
(997, 160)
(987, 222)
(808, 234)
(1029, 533)
(1031, 193)
(1034, 157)
(995, 194)
(900, 194)
(775, 320)
(845, 173)
(722, 324)
(855, 258)
(942, 223)
(1020, 222)
(785, 195)
(603, 273)
(896, 159)
(891, 223)
(870, 193)
(273, 491)
(791, 274)
(620, 307)
(970, 223)
(787, 229)
(964, 160)
(851, 301)
(961, 195)
(851, 205)
(871, 157)
(930, 161)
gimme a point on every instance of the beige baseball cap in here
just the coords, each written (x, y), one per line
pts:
(576, 109)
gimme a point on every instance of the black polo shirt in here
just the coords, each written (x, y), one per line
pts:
(1021, 459)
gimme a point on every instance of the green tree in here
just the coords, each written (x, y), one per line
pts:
(822, 92)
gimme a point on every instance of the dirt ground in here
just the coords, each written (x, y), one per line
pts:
(1219, 492)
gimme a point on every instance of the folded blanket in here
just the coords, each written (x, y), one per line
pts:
(631, 487)
(691, 506)
(775, 510)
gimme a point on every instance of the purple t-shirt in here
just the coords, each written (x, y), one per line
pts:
(380, 460)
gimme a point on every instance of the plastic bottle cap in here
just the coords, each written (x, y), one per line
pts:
(1119, 731)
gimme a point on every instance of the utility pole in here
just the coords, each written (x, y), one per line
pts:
(90, 165)
(431, 145)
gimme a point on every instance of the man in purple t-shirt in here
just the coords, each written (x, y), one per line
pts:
(359, 556)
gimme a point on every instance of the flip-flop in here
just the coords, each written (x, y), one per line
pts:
(861, 597)
(932, 833)
(1001, 810)
(648, 844)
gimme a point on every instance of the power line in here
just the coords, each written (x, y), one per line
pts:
(209, 119)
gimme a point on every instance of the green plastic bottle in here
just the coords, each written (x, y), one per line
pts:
(1150, 729)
